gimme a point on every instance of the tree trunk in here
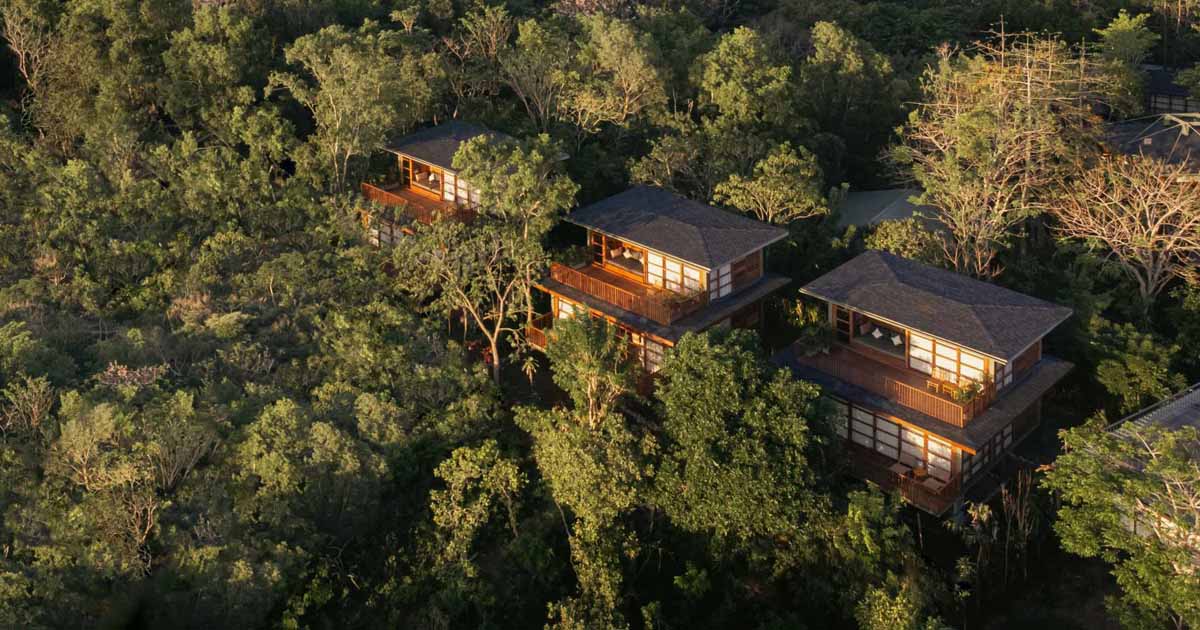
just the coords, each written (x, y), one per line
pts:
(495, 359)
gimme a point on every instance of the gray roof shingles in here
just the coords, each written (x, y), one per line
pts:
(691, 231)
(983, 317)
(437, 145)
(1178, 411)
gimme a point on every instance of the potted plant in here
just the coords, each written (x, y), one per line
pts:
(815, 333)
(964, 394)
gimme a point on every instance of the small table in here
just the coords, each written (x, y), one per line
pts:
(900, 470)
(933, 485)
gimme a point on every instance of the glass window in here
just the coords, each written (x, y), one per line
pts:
(720, 284)
(654, 355)
(971, 360)
(568, 309)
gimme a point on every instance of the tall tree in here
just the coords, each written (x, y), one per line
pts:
(478, 269)
(593, 365)
(214, 69)
(522, 184)
(737, 438)
(786, 187)
(743, 79)
(990, 135)
(1132, 497)
(360, 86)
(848, 89)
(1143, 212)
(617, 77)
(536, 67)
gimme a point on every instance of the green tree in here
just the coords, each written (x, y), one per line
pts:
(618, 77)
(737, 441)
(1134, 366)
(593, 365)
(1130, 498)
(359, 86)
(849, 90)
(1127, 39)
(478, 269)
(786, 187)
(535, 68)
(909, 238)
(987, 153)
(478, 481)
(745, 82)
(522, 184)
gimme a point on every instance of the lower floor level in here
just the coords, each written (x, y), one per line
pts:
(648, 348)
(930, 471)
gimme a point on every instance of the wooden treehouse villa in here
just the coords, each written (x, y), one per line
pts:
(660, 266)
(424, 185)
(935, 375)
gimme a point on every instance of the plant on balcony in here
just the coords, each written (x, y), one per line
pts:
(575, 256)
(966, 393)
(815, 333)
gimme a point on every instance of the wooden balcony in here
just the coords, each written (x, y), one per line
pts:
(536, 332)
(660, 305)
(905, 387)
(927, 494)
(538, 335)
(414, 205)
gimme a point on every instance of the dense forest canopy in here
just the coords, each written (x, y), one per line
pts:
(221, 407)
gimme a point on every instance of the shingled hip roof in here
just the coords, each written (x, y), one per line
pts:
(437, 145)
(977, 315)
(691, 231)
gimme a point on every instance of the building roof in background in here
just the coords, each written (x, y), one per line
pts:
(1161, 80)
(691, 231)
(1180, 410)
(984, 317)
(437, 145)
(1173, 138)
(869, 207)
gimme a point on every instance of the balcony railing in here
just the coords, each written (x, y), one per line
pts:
(924, 493)
(904, 387)
(664, 307)
(535, 333)
(416, 206)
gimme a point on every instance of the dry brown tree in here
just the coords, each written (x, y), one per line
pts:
(994, 128)
(1144, 212)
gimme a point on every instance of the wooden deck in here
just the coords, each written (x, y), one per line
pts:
(874, 467)
(536, 333)
(905, 387)
(625, 293)
(416, 206)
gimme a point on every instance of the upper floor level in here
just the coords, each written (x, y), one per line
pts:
(423, 183)
(664, 257)
(927, 339)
